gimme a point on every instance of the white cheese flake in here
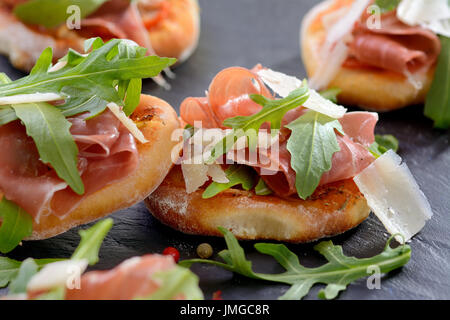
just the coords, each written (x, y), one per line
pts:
(127, 122)
(30, 98)
(394, 196)
(57, 274)
(283, 84)
(430, 14)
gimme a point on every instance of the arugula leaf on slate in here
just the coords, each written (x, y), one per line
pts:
(437, 103)
(9, 268)
(16, 225)
(237, 174)
(337, 274)
(175, 282)
(17, 273)
(91, 241)
(50, 13)
(272, 111)
(312, 144)
(27, 270)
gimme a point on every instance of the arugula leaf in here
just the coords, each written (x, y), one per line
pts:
(9, 268)
(91, 241)
(176, 282)
(272, 111)
(236, 174)
(262, 189)
(27, 270)
(387, 5)
(16, 225)
(337, 274)
(50, 131)
(312, 144)
(50, 13)
(331, 94)
(88, 248)
(437, 103)
(383, 143)
(7, 114)
(94, 75)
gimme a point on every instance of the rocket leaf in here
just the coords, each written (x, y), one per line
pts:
(237, 175)
(16, 225)
(50, 131)
(312, 144)
(337, 274)
(50, 13)
(437, 103)
(272, 111)
(91, 241)
(95, 75)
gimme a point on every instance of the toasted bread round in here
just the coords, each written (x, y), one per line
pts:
(369, 88)
(178, 35)
(157, 120)
(331, 210)
(174, 36)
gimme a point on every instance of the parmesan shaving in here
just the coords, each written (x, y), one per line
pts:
(283, 84)
(127, 122)
(30, 98)
(430, 14)
(57, 274)
(195, 175)
(334, 51)
(217, 174)
(394, 196)
(58, 66)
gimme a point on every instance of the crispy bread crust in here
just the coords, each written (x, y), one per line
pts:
(331, 210)
(175, 37)
(369, 88)
(159, 121)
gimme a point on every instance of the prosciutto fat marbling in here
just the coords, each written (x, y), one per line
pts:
(107, 153)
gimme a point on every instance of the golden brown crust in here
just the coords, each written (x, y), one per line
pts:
(369, 88)
(157, 122)
(177, 36)
(331, 210)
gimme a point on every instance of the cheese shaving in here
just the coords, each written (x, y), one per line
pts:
(430, 14)
(394, 196)
(30, 98)
(57, 274)
(127, 122)
(283, 84)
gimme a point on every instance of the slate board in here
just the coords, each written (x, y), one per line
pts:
(243, 33)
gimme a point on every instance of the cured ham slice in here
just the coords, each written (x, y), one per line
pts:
(394, 46)
(117, 19)
(130, 280)
(228, 96)
(107, 153)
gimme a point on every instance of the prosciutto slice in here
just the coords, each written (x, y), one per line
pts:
(118, 19)
(107, 153)
(394, 46)
(228, 96)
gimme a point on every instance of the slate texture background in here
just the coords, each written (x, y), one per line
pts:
(243, 33)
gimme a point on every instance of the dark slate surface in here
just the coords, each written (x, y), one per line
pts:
(245, 32)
